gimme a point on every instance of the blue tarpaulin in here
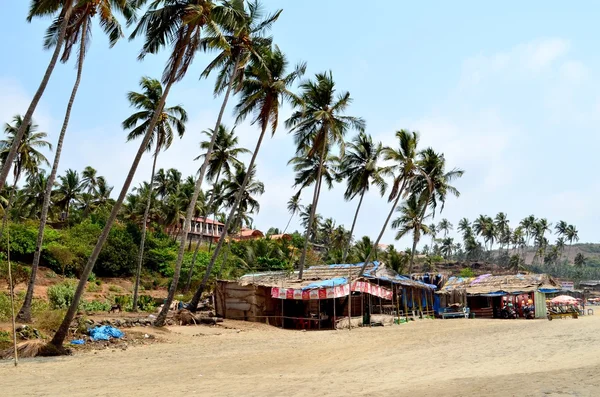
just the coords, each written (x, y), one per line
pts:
(333, 282)
(105, 332)
(78, 342)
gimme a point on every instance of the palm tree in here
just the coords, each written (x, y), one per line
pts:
(170, 118)
(405, 168)
(317, 220)
(69, 190)
(365, 249)
(28, 158)
(561, 228)
(178, 24)
(433, 185)
(571, 234)
(265, 87)
(40, 8)
(293, 207)
(360, 169)
(579, 260)
(410, 221)
(319, 123)
(501, 224)
(89, 179)
(528, 224)
(34, 193)
(464, 226)
(446, 226)
(78, 33)
(240, 41)
(432, 232)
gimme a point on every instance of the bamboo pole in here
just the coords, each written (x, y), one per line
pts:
(426, 301)
(405, 299)
(12, 295)
(397, 303)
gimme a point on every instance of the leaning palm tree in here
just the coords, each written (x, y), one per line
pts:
(40, 8)
(319, 124)
(89, 180)
(572, 234)
(265, 87)
(78, 34)
(445, 226)
(240, 40)
(405, 168)
(293, 206)
(171, 118)
(361, 170)
(177, 23)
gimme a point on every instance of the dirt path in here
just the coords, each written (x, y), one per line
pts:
(426, 358)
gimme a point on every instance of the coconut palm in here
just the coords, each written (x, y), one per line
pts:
(68, 191)
(361, 170)
(445, 226)
(464, 226)
(293, 206)
(240, 41)
(317, 220)
(78, 34)
(571, 235)
(266, 86)
(365, 249)
(432, 232)
(33, 197)
(318, 124)
(528, 225)
(484, 227)
(410, 221)
(433, 185)
(28, 157)
(405, 168)
(178, 24)
(502, 227)
(579, 260)
(561, 228)
(170, 119)
(40, 8)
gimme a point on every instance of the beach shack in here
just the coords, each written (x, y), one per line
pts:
(327, 297)
(485, 295)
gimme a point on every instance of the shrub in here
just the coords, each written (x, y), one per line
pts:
(124, 301)
(50, 320)
(118, 258)
(115, 288)
(95, 306)
(93, 287)
(467, 272)
(146, 303)
(5, 337)
(161, 260)
(61, 295)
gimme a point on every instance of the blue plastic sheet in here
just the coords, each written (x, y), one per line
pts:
(78, 342)
(105, 332)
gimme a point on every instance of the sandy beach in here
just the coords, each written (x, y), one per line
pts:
(425, 358)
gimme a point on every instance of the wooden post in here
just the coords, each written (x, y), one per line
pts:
(397, 303)
(319, 310)
(405, 299)
(282, 304)
(349, 302)
(334, 318)
(11, 290)
(426, 301)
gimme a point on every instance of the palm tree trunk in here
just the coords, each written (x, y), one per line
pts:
(313, 209)
(232, 212)
(412, 252)
(160, 320)
(288, 223)
(387, 220)
(144, 229)
(193, 264)
(25, 312)
(65, 14)
(62, 332)
(9, 204)
(362, 195)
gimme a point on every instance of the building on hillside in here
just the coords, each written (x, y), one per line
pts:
(248, 234)
(326, 297)
(201, 229)
(285, 237)
(485, 295)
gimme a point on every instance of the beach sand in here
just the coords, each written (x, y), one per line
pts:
(455, 357)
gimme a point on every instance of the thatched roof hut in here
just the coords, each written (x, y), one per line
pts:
(489, 285)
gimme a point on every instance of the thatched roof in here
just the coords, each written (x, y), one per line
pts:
(329, 275)
(488, 284)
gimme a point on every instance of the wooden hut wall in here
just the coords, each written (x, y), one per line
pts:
(248, 302)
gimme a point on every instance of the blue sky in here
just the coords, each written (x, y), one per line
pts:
(508, 92)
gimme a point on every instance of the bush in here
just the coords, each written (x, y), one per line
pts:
(95, 306)
(161, 260)
(118, 257)
(50, 320)
(146, 303)
(93, 287)
(61, 295)
(115, 288)
(467, 272)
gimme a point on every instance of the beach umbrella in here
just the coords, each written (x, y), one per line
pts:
(562, 299)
